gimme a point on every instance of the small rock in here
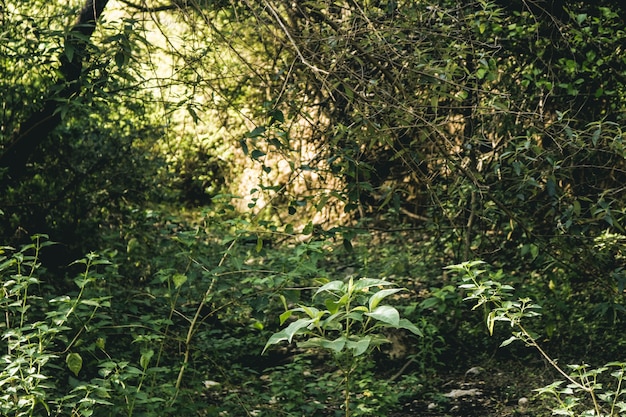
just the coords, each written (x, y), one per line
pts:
(213, 385)
(458, 393)
(522, 402)
(475, 371)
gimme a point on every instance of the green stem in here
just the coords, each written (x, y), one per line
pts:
(347, 395)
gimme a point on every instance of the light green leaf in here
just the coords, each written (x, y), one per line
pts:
(406, 324)
(296, 326)
(509, 341)
(336, 345)
(144, 361)
(283, 317)
(330, 287)
(310, 311)
(179, 279)
(491, 320)
(288, 333)
(74, 363)
(377, 297)
(365, 283)
(332, 305)
(386, 314)
(360, 346)
(355, 315)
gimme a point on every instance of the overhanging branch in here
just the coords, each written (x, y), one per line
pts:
(40, 124)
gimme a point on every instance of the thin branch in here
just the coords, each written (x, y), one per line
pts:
(146, 9)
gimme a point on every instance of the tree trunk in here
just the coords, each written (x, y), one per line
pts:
(39, 125)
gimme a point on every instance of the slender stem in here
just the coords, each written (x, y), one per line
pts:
(617, 391)
(348, 393)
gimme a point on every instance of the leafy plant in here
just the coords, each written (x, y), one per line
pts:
(349, 325)
(583, 381)
(38, 334)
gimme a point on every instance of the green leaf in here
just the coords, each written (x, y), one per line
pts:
(336, 345)
(179, 279)
(256, 132)
(366, 283)
(407, 325)
(276, 116)
(330, 287)
(193, 114)
(360, 346)
(144, 361)
(283, 317)
(120, 59)
(509, 341)
(257, 154)
(332, 305)
(74, 363)
(310, 311)
(244, 146)
(386, 314)
(69, 51)
(377, 297)
(595, 136)
(295, 327)
(491, 320)
(288, 333)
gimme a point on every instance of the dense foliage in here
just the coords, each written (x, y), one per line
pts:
(212, 164)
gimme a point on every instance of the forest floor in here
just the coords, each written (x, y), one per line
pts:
(492, 389)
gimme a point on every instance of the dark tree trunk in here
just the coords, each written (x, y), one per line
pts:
(39, 125)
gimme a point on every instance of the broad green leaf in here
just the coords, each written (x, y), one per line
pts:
(120, 59)
(294, 327)
(287, 333)
(331, 286)
(283, 317)
(406, 324)
(430, 302)
(179, 280)
(336, 345)
(365, 283)
(276, 116)
(386, 314)
(310, 311)
(257, 154)
(377, 297)
(355, 315)
(360, 346)
(74, 363)
(334, 322)
(332, 305)
(69, 52)
(256, 132)
(144, 361)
